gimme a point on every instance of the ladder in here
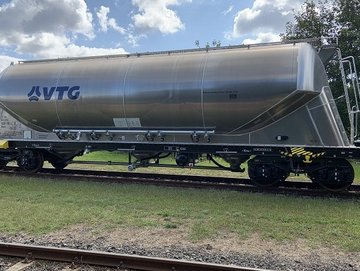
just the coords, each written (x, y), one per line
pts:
(350, 80)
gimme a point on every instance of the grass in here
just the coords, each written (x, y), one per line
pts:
(104, 156)
(356, 166)
(41, 206)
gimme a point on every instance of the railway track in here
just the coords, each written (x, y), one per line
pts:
(188, 181)
(78, 257)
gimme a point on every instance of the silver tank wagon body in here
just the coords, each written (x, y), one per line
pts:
(261, 95)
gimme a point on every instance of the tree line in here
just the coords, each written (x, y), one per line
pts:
(340, 18)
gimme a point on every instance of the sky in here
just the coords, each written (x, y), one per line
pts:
(37, 29)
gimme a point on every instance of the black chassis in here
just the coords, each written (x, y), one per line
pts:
(308, 153)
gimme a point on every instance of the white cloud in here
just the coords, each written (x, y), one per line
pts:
(35, 16)
(48, 28)
(48, 45)
(265, 16)
(156, 14)
(75, 50)
(279, 4)
(262, 38)
(134, 39)
(106, 22)
(5, 61)
(226, 12)
(247, 14)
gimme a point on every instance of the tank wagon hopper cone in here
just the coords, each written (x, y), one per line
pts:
(267, 105)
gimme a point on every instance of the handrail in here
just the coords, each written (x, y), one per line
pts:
(353, 110)
(316, 42)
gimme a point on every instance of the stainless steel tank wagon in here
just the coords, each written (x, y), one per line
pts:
(269, 105)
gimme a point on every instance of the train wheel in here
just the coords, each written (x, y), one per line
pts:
(264, 173)
(333, 175)
(30, 161)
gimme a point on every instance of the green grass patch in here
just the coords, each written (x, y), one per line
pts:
(114, 156)
(42, 206)
(356, 166)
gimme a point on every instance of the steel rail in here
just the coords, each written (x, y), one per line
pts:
(113, 175)
(187, 181)
(108, 259)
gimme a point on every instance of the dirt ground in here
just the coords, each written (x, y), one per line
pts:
(167, 239)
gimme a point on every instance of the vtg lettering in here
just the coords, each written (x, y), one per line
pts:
(59, 93)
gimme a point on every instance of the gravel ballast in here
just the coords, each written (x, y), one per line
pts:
(267, 259)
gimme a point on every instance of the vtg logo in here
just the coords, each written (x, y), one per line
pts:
(72, 93)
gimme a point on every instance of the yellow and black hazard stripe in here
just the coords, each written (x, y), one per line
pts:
(4, 144)
(301, 152)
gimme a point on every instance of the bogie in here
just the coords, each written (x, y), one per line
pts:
(267, 171)
(333, 174)
(30, 161)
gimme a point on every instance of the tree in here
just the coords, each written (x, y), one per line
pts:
(348, 20)
(324, 19)
(311, 21)
(341, 17)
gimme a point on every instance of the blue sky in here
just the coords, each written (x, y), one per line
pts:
(33, 29)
